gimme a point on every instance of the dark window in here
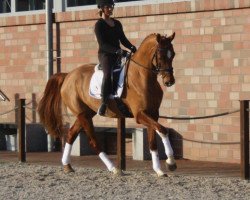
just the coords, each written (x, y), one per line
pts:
(125, 0)
(26, 5)
(72, 3)
(5, 6)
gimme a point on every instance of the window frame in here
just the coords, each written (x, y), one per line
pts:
(61, 6)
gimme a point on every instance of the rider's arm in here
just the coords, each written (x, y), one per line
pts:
(123, 39)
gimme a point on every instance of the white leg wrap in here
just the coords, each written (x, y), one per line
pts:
(168, 149)
(66, 154)
(106, 161)
(156, 163)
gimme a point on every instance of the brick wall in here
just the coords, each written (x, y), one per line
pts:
(212, 72)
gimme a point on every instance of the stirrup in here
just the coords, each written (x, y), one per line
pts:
(102, 109)
(123, 108)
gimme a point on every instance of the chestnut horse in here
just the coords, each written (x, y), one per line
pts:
(142, 95)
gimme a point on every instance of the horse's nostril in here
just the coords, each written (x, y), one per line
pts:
(170, 83)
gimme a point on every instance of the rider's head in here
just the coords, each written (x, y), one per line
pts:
(105, 6)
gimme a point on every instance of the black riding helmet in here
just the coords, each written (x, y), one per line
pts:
(101, 3)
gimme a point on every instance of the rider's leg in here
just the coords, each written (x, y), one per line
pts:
(106, 82)
(104, 94)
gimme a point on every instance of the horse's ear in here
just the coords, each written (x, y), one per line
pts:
(172, 36)
(158, 37)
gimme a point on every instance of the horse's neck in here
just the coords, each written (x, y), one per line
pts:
(145, 52)
(143, 59)
(142, 82)
(141, 64)
(140, 74)
(141, 79)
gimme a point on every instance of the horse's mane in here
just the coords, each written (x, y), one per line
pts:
(148, 37)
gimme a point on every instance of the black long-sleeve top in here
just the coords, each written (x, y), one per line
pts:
(109, 37)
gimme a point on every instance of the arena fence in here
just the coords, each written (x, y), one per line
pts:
(121, 134)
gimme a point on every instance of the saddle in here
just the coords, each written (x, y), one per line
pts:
(118, 82)
(118, 77)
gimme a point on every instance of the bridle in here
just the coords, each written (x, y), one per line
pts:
(156, 67)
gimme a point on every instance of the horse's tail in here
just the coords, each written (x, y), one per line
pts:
(50, 106)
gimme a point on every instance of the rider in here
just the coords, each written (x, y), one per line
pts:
(109, 34)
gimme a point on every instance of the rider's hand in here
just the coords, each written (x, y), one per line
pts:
(133, 49)
(121, 52)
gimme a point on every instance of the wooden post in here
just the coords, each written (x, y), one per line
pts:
(16, 105)
(21, 131)
(244, 138)
(121, 148)
(34, 105)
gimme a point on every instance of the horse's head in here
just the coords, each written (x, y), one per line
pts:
(163, 59)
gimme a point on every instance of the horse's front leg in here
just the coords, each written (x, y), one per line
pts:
(154, 152)
(153, 126)
(70, 138)
(169, 151)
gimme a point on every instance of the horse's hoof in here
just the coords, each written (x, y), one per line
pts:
(68, 169)
(171, 163)
(172, 167)
(117, 172)
(161, 174)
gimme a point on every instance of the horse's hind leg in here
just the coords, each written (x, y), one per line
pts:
(87, 124)
(70, 138)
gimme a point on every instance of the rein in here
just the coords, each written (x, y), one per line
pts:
(152, 70)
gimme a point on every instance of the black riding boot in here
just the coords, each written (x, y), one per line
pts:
(105, 93)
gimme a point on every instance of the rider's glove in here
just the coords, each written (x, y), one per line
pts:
(133, 49)
(121, 52)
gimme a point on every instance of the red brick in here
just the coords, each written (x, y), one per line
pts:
(209, 5)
